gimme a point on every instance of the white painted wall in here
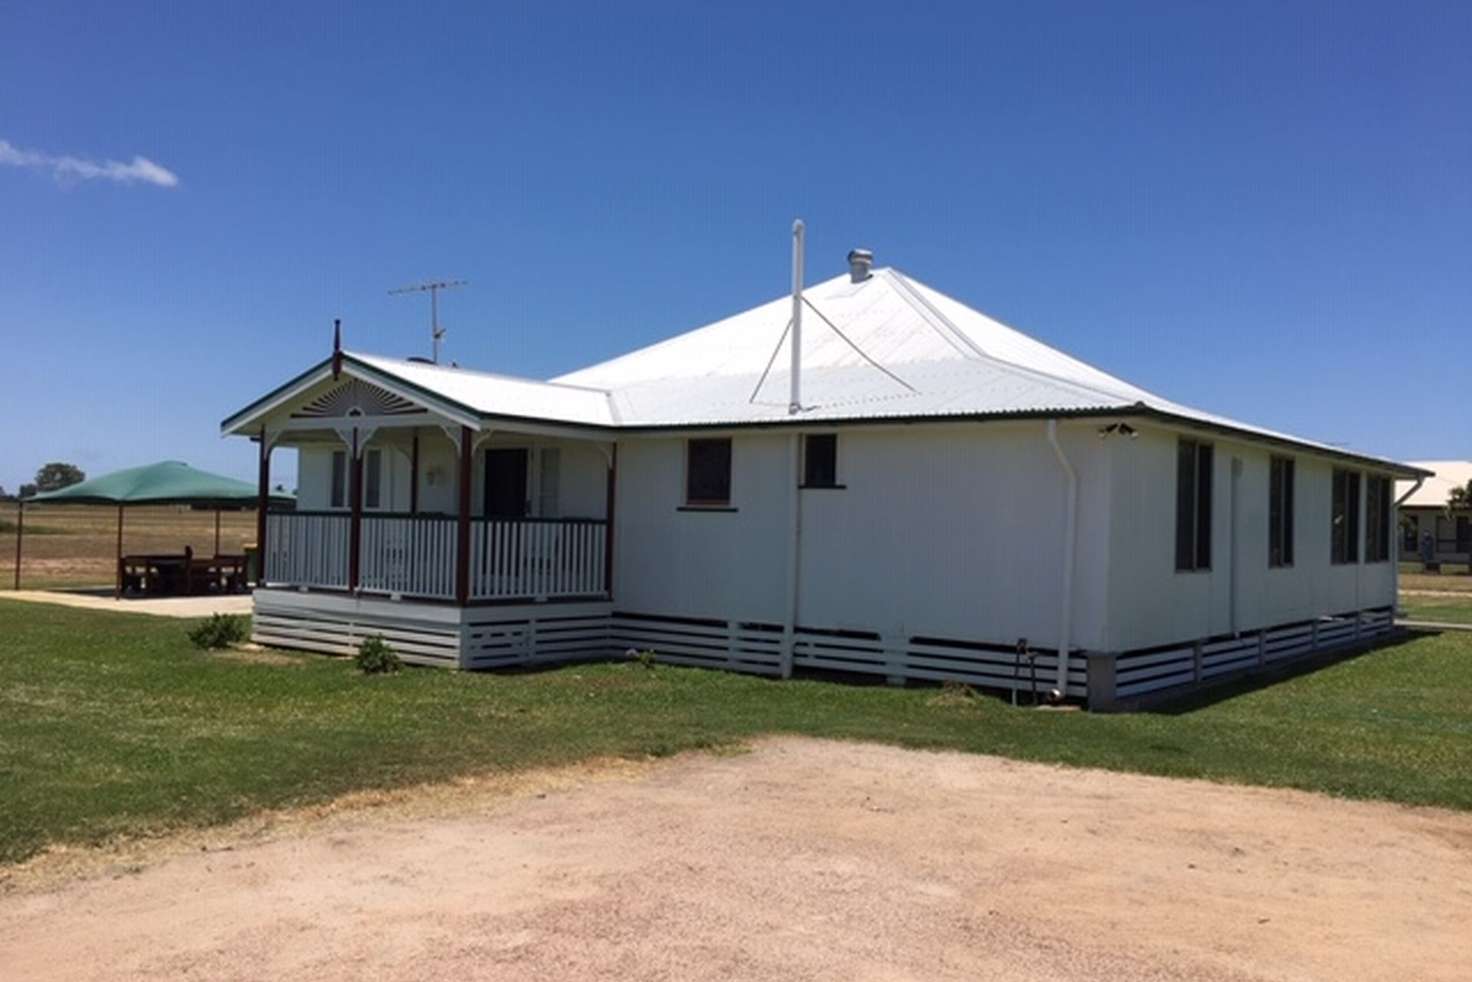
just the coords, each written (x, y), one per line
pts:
(952, 530)
(727, 565)
(314, 477)
(582, 482)
(1150, 603)
(582, 474)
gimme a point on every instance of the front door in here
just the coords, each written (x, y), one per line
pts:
(505, 493)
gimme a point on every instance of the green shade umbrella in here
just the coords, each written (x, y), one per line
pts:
(169, 482)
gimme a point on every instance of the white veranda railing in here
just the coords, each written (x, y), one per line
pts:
(415, 555)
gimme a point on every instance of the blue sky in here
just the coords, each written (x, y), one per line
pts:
(1261, 210)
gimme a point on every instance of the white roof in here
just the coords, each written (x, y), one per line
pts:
(499, 395)
(1447, 474)
(887, 348)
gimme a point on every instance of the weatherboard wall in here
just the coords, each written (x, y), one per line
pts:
(1151, 603)
(940, 530)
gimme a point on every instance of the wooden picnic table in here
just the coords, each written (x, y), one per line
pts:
(167, 574)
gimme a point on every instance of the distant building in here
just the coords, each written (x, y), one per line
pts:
(1429, 530)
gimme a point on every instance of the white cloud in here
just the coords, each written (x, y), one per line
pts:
(68, 169)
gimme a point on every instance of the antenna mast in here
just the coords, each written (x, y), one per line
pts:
(436, 333)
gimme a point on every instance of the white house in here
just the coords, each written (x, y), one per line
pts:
(911, 489)
(1431, 531)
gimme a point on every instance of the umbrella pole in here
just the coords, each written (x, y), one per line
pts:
(217, 531)
(118, 590)
(20, 531)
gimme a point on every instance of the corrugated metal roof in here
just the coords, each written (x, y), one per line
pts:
(888, 348)
(1447, 474)
(500, 395)
(941, 358)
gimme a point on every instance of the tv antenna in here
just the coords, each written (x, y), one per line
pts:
(436, 333)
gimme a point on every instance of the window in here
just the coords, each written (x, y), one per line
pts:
(1280, 512)
(1464, 534)
(1377, 519)
(1193, 505)
(708, 472)
(1344, 538)
(373, 479)
(820, 460)
(339, 478)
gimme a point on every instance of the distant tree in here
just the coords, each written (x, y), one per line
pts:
(26, 491)
(57, 475)
(1461, 497)
(3, 495)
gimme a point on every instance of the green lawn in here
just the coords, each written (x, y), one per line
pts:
(1447, 582)
(1444, 610)
(111, 724)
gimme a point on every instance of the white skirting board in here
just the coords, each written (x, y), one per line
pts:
(335, 624)
(432, 634)
(552, 633)
(746, 646)
(1138, 673)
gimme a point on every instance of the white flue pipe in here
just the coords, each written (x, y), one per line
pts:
(1070, 551)
(794, 402)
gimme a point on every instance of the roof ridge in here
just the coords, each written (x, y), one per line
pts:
(478, 371)
(925, 309)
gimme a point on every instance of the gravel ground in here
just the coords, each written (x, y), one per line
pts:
(802, 859)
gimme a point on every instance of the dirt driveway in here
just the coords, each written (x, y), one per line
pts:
(799, 860)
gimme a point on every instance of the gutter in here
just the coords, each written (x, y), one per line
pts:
(1070, 556)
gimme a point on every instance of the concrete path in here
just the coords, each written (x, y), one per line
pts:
(1432, 625)
(236, 603)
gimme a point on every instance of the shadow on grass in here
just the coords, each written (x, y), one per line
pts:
(1231, 688)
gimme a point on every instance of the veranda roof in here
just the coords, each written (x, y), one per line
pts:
(169, 482)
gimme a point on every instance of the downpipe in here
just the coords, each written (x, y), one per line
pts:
(1070, 551)
(1395, 548)
(794, 556)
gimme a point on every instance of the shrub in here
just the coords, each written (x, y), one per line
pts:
(220, 631)
(645, 658)
(375, 656)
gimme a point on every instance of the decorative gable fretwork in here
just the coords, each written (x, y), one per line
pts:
(356, 398)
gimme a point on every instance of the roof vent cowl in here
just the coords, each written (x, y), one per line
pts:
(860, 262)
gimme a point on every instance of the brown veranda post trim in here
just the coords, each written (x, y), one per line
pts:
(414, 474)
(462, 530)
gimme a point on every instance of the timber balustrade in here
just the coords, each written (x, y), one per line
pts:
(415, 555)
